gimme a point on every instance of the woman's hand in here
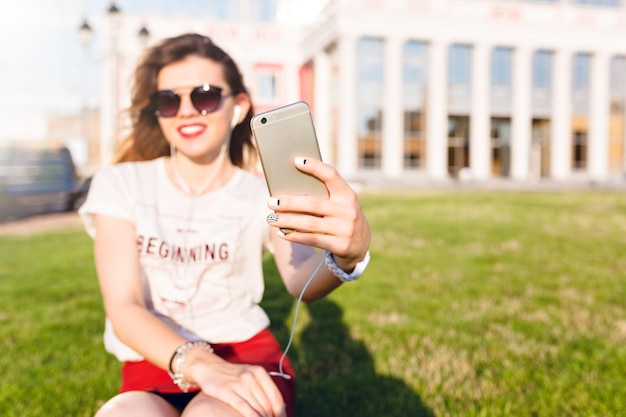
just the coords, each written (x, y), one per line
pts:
(337, 224)
(248, 389)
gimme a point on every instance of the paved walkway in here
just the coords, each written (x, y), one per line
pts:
(41, 223)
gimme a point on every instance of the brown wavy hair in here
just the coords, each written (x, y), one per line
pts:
(146, 141)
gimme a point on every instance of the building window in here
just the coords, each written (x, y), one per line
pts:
(460, 65)
(540, 148)
(542, 83)
(459, 78)
(501, 73)
(223, 10)
(579, 148)
(580, 83)
(267, 91)
(458, 144)
(370, 56)
(617, 127)
(262, 10)
(610, 3)
(581, 64)
(500, 146)
(414, 86)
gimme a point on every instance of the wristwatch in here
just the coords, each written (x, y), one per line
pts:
(343, 275)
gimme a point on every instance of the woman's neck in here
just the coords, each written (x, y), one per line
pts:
(198, 178)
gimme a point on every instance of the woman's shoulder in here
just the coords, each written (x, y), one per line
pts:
(131, 170)
(246, 188)
(250, 181)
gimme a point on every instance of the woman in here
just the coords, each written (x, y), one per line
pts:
(179, 226)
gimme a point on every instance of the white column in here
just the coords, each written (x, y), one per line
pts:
(480, 119)
(599, 118)
(521, 115)
(561, 121)
(321, 90)
(393, 129)
(436, 111)
(347, 149)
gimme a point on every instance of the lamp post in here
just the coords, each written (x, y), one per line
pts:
(144, 36)
(112, 59)
(85, 35)
(110, 104)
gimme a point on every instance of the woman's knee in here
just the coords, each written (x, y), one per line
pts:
(137, 404)
(203, 406)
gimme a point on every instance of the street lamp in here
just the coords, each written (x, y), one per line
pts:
(113, 9)
(85, 33)
(143, 35)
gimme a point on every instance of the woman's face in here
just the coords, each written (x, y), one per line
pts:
(199, 137)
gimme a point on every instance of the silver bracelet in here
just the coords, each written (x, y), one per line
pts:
(177, 359)
(343, 275)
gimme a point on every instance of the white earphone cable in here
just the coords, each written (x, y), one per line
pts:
(280, 372)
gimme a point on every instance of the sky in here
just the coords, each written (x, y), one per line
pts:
(44, 69)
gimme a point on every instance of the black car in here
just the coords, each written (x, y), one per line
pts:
(38, 179)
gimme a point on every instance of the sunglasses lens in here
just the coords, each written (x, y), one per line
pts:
(166, 103)
(206, 101)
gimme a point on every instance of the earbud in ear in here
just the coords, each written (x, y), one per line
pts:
(236, 114)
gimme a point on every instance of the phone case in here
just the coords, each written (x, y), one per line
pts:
(282, 134)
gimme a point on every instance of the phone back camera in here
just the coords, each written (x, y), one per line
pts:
(263, 120)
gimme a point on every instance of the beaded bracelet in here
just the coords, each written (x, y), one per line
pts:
(177, 359)
(343, 275)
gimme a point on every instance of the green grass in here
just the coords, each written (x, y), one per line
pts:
(474, 304)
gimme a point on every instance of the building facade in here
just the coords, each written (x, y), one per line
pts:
(480, 89)
(428, 90)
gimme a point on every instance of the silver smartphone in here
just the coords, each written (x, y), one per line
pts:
(281, 134)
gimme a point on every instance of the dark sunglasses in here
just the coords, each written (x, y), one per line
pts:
(205, 98)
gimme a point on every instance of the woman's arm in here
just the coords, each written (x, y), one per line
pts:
(248, 389)
(121, 284)
(337, 225)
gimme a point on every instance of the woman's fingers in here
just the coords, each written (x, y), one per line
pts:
(335, 184)
(246, 388)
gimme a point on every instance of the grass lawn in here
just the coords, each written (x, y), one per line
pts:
(474, 304)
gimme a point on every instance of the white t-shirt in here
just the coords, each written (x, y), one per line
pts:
(201, 256)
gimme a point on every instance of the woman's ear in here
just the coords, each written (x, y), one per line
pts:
(236, 116)
(240, 110)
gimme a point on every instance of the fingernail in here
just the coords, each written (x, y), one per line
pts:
(272, 218)
(280, 233)
(273, 202)
(300, 160)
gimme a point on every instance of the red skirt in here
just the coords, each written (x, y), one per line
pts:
(262, 349)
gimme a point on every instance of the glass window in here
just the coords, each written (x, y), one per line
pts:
(542, 69)
(581, 65)
(262, 10)
(611, 3)
(414, 87)
(267, 83)
(501, 74)
(370, 56)
(458, 145)
(222, 9)
(459, 65)
(501, 64)
(459, 78)
(617, 126)
(542, 83)
(500, 146)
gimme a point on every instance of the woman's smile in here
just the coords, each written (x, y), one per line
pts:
(190, 131)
